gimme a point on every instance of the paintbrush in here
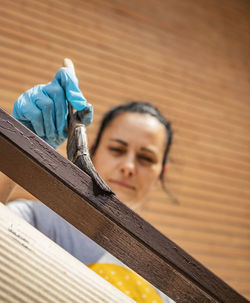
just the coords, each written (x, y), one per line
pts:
(77, 145)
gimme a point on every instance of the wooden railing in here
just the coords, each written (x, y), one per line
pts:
(67, 190)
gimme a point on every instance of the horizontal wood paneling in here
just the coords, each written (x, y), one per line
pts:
(189, 58)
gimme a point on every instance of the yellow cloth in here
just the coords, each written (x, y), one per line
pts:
(128, 282)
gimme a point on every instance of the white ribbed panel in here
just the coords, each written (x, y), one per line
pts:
(35, 269)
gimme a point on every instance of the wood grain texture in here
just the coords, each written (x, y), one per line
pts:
(69, 191)
(191, 59)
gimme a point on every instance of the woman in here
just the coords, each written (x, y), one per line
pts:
(129, 153)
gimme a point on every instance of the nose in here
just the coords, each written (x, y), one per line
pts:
(127, 166)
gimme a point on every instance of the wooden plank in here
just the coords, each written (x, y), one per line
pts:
(189, 204)
(187, 213)
(90, 14)
(115, 42)
(79, 15)
(36, 166)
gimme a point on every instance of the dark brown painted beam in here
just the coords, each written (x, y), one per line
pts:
(67, 190)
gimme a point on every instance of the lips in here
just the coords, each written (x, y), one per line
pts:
(123, 184)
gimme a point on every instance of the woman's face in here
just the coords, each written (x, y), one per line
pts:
(129, 156)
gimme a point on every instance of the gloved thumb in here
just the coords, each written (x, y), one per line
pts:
(67, 79)
(85, 114)
(69, 64)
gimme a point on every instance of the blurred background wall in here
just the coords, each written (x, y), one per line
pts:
(189, 58)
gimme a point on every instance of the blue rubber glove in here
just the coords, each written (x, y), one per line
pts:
(44, 109)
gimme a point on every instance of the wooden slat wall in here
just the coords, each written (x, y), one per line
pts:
(191, 59)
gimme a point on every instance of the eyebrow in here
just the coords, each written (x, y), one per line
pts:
(126, 144)
(120, 141)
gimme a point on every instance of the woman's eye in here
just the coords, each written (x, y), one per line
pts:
(145, 159)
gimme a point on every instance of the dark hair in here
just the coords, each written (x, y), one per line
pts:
(136, 107)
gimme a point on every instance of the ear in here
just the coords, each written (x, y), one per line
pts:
(157, 181)
(165, 169)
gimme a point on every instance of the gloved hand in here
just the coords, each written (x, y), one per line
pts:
(44, 108)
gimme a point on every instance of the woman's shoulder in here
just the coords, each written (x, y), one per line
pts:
(24, 209)
(38, 215)
(58, 230)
